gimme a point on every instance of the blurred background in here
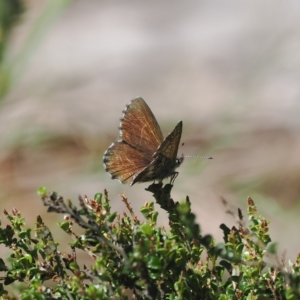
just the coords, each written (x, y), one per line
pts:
(229, 70)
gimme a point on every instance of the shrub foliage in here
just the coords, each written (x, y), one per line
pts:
(137, 259)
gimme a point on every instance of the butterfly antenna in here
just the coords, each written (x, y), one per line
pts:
(184, 156)
(196, 156)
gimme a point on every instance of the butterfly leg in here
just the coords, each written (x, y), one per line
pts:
(173, 177)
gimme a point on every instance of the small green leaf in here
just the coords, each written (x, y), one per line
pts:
(154, 263)
(74, 266)
(42, 191)
(64, 225)
(146, 229)
(272, 248)
(145, 211)
(25, 233)
(2, 265)
(206, 240)
(112, 217)
(26, 257)
(98, 197)
(154, 216)
(227, 265)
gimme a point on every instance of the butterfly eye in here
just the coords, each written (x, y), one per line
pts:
(179, 160)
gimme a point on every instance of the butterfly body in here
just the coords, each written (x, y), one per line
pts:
(141, 154)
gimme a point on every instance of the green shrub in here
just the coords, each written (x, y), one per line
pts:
(132, 258)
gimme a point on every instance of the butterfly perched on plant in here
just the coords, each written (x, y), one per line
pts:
(142, 154)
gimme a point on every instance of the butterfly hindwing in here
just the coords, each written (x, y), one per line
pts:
(123, 162)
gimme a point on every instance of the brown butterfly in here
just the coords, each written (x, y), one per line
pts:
(141, 154)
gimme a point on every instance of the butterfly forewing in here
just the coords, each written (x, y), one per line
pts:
(123, 162)
(139, 127)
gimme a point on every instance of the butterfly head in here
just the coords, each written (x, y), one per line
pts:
(179, 161)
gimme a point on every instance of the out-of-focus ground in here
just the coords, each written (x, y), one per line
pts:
(230, 71)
